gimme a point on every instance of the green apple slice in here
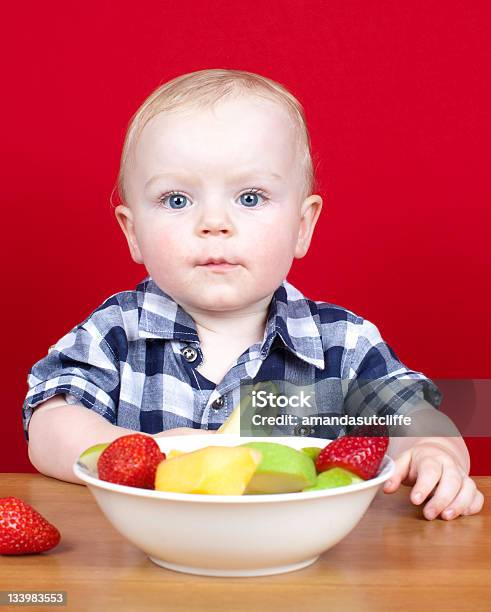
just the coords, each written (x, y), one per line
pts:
(90, 456)
(282, 469)
(334, 477)
(312, 451)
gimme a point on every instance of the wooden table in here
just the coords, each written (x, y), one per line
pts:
(393, 560)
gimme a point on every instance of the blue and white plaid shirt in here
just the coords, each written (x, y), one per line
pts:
(134, 360)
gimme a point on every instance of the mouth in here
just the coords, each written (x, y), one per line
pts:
(218, 264)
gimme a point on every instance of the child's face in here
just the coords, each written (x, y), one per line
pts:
(211, 159)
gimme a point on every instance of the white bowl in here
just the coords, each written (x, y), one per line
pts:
(234, 535)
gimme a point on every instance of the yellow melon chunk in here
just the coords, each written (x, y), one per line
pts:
(174, 453)
(232, 424)
(214, 470)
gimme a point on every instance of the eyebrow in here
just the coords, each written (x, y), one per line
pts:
(239, 176)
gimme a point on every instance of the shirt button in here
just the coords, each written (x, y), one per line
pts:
(218, 403)
(189, 353)
(303, 430)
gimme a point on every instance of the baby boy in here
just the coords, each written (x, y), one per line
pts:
(216, 184)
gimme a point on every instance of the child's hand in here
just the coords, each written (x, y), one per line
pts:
(435, 469)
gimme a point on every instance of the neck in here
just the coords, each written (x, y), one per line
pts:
(247, 324)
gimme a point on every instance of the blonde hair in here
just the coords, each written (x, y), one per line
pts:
(204, 88)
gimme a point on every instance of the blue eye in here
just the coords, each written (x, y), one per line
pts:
(251, 196)
(176, 200)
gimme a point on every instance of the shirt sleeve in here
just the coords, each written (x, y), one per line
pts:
(81, 366)
(379, 383)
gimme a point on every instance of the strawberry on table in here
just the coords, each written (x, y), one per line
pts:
(23, 530)
(131, 460)
(360, 455)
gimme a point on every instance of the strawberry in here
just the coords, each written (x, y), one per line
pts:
(131, 460)
(23, 530)
(360, 455)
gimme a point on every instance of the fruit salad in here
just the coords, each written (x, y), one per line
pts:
(252, 468)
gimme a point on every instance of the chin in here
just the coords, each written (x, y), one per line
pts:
(219, 300)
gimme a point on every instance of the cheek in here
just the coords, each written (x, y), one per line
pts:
(163, 260)
(159, 245)
(272, 252)
(275, 239)
(272, 248)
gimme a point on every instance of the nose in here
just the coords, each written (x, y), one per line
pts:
(214, 220)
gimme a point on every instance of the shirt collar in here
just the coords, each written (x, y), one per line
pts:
(292, 318)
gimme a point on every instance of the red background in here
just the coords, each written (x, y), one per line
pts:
(397, 96)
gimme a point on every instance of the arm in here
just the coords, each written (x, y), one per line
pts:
(430, 454)
(59, 432)
(430, 426)
(437, 465)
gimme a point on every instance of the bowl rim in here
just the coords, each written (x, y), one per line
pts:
(386, 470)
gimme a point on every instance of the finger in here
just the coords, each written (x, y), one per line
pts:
(461, 501)
(476, 504)
(429, 472)
(450, 484)
(401, 470)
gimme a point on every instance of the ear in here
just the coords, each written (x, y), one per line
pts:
(310, 211)
(124, 215)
